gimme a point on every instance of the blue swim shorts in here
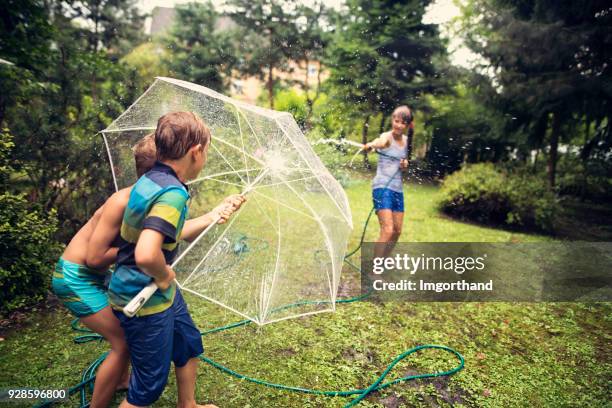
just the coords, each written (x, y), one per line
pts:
(79, 288)
(155, 341)
(386, 199)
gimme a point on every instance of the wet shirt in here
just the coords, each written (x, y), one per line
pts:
(158, 201)
(387, 174)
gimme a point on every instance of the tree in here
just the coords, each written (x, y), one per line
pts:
(552, 64)
(266, 38)
(313, 35)
(113, 25)
(200, 54)
(383, 56)
(56, 114)
(25, 35)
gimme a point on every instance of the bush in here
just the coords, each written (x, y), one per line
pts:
(28, 248)
(482, 193)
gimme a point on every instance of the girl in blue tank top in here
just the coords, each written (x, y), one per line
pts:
(387, 193)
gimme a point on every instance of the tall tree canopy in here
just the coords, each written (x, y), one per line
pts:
(199, 52)
(552, 65)
(62, 99)
(383, 55)
(267, 38)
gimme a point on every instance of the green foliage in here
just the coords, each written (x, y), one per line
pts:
(26, 242)
(483, 193)
(383, 55)
(290, 100)
(200, 53)
(551, 64)
(148, 60)
(115, 24)
(463, 129)
(25, 33)
(56, 111)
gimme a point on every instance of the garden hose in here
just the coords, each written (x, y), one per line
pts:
(240, 247)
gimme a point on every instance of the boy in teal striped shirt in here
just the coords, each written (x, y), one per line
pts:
(162, 332)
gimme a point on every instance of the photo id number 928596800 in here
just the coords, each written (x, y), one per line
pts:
(32, 394)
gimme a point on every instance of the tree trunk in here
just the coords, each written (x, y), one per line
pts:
(554, 145)
(364, 140)
(311, 101)
(383, 119)
(271, 86)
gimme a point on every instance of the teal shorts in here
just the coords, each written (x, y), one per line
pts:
(80, 289)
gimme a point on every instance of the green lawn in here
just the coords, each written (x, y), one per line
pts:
(517, 354)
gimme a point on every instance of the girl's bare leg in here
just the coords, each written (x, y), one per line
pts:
(385, 219)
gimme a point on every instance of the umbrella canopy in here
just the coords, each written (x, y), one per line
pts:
(281, 255)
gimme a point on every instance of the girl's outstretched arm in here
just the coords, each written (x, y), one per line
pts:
(381, 142)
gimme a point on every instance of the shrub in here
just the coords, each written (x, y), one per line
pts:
(27, 245)
(482, 193)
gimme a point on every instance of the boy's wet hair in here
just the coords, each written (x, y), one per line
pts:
(403, 113)
(177, 132)
(145, 154)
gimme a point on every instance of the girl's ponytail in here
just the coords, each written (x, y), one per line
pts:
(409, 141)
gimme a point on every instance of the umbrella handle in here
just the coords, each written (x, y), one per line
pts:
(139, 300)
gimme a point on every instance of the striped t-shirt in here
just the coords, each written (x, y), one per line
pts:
(158, 201)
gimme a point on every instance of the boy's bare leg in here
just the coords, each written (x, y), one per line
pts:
(125, 404)
(185, 380)
(109, 373)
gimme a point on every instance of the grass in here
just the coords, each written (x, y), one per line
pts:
(517, 354)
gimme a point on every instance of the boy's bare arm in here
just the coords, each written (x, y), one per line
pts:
(150, 258)
(195, 226)
(100, 252)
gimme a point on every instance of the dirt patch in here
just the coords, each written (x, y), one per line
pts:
(442, 386)
(392, 401)
(20, 318)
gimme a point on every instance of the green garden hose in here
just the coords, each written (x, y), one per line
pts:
(240, 247)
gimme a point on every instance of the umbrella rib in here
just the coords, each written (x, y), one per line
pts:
(212, 247)
(131, 129)
(220, 304)
(238, 149)
(264, 213)
(242, 141)
(228, 163)
(225, 173)
(283, 204)
(251, 127)
(226, 182)
(276, 266)
(288, 181)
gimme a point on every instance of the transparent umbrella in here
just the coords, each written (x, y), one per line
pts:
(281, 255)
